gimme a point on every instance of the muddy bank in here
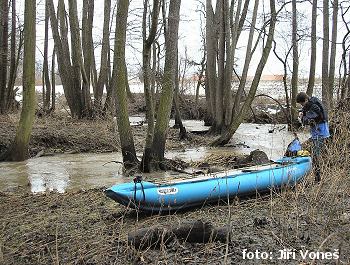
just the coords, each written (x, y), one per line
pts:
(263, 110)
(85, 227)
(59, 134)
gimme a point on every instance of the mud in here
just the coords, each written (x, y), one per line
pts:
(85, 227)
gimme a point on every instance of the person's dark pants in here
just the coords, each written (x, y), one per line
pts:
(317, 151)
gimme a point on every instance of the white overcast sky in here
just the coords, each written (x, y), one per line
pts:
(190, 35)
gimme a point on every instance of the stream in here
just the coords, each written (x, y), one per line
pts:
(90, 170)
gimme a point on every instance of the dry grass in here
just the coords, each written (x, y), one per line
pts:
(85, 227)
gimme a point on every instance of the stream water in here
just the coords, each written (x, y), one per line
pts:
(88, 170)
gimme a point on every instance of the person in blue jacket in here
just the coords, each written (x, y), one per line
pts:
(314, 114)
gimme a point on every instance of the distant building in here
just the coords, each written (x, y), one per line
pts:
(272, 78)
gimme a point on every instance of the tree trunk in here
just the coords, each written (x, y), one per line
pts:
(345, 79)
(210, 81)
(79, 75)
(87, 45)
(53, 81)
(63, 56)
(247, 61)
(230, 55)
(220, 21)
(3, 55)
(295, 72)
(104, 69)
(147, 76)
(119, 84)
(46, 82)
(333, 51)
(13, 64)
(325, 55)
(19, 149)
(225, 138)
(168, 82)
(311, 83)
(285, 74)
(178, 120)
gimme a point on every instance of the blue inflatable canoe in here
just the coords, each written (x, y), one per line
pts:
(183, 193)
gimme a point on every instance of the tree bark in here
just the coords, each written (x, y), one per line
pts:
(19, 149)
(311, 83)
(13, 60)
(81, 84)
(168, 82)
(46, 83)
(63, 57)
(325, 55)
(119, 85)
(104, 69)
(220, 21)
(295, 72)
(346, 79)
(178, 120)
(88, 54)
(333, 51)
(3, 55)
(147, 76)
(53, 80)
(211, 78)
(230, 55)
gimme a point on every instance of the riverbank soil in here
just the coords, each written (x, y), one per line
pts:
(58, 133)
(85, 227)
(308, 224)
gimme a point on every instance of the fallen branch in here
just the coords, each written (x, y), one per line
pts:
(191, 231)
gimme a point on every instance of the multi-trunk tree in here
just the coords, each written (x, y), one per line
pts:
(9, 59)
(243, 109)
(74, 65)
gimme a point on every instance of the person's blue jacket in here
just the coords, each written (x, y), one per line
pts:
(315, 115)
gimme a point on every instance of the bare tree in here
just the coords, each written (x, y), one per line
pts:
(4, 13)
(225, 137)
(104, 67)
(168, 83)
(346, 76)
(119, 83)
(60, 35)
(19, 149)
(46, 78)
(295, 72)
(147, 76)
(311, 83)
(80, 78)
(325, 55)
(333, 51)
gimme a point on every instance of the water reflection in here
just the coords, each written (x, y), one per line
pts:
(40, 174)
(84, 171)
(57, 173)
